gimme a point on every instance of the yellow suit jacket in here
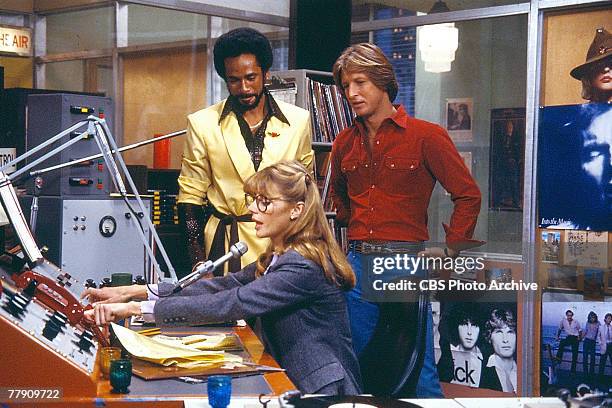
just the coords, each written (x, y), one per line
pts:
(216, 162)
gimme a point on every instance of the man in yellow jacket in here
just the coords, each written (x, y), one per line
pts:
(231, 140)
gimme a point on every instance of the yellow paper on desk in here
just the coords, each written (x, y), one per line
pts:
(149, 349)
(211, 342)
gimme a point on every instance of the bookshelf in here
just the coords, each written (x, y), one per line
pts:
(298, 77)
(330, 114)
(316, 92)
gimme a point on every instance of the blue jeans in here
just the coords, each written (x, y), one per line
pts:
(588, 355)
(363, 317)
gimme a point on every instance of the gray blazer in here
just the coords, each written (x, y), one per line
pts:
(304, 319)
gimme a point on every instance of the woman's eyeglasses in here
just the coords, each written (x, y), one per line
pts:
(261, 201)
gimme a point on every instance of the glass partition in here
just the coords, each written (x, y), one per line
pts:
(151, 25)
(487, 77)
(83, 30)
(481, 102)
(414, 6)
(65, 75)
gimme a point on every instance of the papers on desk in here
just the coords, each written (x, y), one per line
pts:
(170, 352)
(210, 342)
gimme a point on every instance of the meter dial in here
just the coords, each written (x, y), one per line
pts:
(108, 226)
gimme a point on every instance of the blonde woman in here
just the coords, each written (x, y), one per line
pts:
(296, 286)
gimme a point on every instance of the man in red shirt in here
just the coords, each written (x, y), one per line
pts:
(383, 172)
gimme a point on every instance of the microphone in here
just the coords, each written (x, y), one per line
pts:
(236, 251)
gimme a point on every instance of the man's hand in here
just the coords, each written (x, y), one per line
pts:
(105, 313)
(437, 252)
(117, 294)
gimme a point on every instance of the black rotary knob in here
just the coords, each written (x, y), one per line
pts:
(30, 290)
(55, 325)
(90, 283)
(85, 341)
(16, 305)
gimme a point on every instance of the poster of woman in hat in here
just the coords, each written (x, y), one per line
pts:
(596, 73)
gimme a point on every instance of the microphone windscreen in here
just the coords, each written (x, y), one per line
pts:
(239, 249)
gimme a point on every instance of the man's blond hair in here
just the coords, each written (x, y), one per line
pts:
(367, 58)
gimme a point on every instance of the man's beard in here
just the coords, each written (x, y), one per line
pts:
(244, 108)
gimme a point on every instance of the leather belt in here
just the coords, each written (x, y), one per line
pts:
(217, 249)
(391, 247)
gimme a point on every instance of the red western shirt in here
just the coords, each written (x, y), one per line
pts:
(385, 195)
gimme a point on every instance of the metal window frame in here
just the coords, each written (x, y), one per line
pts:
(217, 11)
(451, 16)
(121, 16)
(529, 325)
(187, 6)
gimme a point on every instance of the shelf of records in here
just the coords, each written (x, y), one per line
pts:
(315, 91)
(330, 112)
(575, 261)
(322, 172)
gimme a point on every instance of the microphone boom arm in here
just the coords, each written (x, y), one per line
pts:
(113, 151)
(107, 147)
(43, 145)
(99, 130)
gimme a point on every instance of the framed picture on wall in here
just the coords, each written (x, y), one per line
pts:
(459, 113)
(506, 153)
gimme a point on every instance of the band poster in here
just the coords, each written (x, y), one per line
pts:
(475, 344)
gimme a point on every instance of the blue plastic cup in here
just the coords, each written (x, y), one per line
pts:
(219, 390)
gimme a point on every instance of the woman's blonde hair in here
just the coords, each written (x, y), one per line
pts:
(367, 58)
(310, 234)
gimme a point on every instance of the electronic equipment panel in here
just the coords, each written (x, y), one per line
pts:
(47, 116)
(92, 238)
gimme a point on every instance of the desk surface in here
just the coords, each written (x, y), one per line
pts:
(26, 361)
(425, 403)
(271, 383)
(36, 366)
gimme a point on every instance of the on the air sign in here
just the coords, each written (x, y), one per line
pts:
(16, 41)
(7, 155)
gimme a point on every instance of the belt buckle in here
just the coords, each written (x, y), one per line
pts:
(368, 248)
